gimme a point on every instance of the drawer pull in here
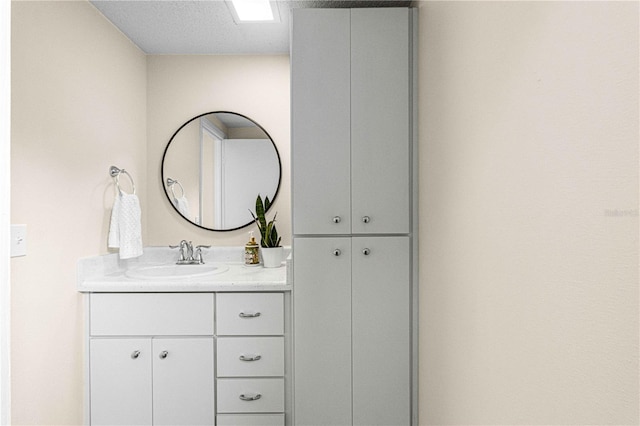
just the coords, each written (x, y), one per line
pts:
(249, 315)
(135, 354)
(250, 398)
(250, 358)
(163, 354)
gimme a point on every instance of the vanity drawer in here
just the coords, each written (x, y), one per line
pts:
(250, 420)
(151, 314)
(250, 356)
(250, 396)
(242, 314)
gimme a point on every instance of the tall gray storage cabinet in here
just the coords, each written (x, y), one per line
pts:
(354, 216)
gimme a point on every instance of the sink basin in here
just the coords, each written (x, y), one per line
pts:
(169, 272)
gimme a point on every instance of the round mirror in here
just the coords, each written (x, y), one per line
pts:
(214, 167)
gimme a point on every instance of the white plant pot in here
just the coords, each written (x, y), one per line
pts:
(271, 257)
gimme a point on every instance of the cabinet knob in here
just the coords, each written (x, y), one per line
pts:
(366, 251)
(366, 219)
(135, 354)
(163, 354)
(249, 315)
(336, 219)
(250, 358)
(250, 397)
(337, 252)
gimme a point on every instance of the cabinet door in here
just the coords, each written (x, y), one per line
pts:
(320, 119)
(183, 388)
(380, 121)
(381, 331)
(120, 381)
(322, 332)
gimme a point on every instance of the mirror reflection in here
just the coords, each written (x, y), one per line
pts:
(215, 165)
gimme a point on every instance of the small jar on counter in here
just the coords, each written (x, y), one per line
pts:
(251, 250)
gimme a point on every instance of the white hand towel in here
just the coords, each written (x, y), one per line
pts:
(182, 205)
(130, 227)
(114, 227)
(125, 231)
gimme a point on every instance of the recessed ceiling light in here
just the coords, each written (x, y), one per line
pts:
(253, 11)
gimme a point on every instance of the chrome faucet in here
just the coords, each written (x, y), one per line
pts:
(187, 253)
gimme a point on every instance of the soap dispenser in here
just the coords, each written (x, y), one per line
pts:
(251, 257)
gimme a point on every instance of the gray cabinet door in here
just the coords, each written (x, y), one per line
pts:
(351, 121)
(320, 117)
(380, 121)
(381, 320)
(322, 331)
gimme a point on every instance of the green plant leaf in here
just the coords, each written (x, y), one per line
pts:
(268, 233)
(260, 214)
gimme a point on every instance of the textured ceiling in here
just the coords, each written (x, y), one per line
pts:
(206, 27)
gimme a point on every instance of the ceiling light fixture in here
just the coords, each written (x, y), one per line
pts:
(244, 11)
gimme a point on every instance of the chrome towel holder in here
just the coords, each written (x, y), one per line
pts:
(115, 174)
(171, 183)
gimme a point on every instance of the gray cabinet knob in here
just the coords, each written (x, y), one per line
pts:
(366, 219)
(336, 219)
(337, 252)
(135, 354)
(163, 354)
(366, 251)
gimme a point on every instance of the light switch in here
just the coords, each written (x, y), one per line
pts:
(18, 240)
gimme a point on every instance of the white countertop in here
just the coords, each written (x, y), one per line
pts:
(106, 273)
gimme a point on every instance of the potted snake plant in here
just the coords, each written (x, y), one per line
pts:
(270, 247)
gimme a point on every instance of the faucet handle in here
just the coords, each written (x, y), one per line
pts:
(180, 246)
(198, 256)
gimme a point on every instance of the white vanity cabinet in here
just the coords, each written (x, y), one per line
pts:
(351, 120)
(187, 358)
(151, 359)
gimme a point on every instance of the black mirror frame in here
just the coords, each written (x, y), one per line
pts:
(164, 154)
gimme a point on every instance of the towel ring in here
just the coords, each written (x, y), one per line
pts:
(171, 183)
(115, 173)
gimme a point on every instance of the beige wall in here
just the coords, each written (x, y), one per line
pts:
(181, 87)
(78, 106)
(528, 279)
